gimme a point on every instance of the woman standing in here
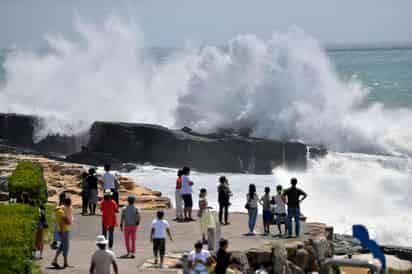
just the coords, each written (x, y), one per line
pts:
(252, 208)
(178, 197)
(205, 217)
(85, 193)
(64, 219)
(92, 187)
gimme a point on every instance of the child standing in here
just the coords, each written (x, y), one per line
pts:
(109, 210)
(129, 222)
(41, 226)
(267, 213)
(158, 237)
(279, 201)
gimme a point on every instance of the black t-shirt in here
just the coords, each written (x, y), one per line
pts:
(223, 194)
(92, 182)
(222, 261)
(293, 195)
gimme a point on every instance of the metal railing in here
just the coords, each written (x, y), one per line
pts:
(374, 269)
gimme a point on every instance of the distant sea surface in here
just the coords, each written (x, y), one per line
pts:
(386, 72)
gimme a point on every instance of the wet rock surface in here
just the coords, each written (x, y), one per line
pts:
(140, 143)
(118, 143)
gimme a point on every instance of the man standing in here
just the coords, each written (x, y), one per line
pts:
(222, 257)
(294, 195)
(110, 182)
(187, 185)
(224, 194)
(103, 259)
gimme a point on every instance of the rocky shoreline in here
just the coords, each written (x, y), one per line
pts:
(117, 142)
(64, 176)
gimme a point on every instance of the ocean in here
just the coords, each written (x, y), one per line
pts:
(356, 103)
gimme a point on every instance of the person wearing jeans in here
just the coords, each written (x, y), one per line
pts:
(109, 210)
(294, 213)
(252, 207)
(64, 219)
(294, 197)
(187, 191)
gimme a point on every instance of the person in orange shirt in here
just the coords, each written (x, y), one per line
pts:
(178, 197)
(109, 209)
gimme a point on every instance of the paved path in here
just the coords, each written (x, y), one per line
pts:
(86, 228)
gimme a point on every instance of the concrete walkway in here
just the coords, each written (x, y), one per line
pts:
(86, 228)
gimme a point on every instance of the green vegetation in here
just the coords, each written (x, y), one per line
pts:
(28, 177)
(17, 236)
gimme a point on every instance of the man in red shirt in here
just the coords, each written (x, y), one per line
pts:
(109, 210)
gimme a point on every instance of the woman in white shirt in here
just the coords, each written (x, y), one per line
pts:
(200, 259)
(252, 208)
(279, 208)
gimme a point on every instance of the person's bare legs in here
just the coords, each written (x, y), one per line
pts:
(56, 257)
(161, 260)
(66, 264)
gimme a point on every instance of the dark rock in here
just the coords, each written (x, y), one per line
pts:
(258, 257)
(241, 257)
(124, 167)
(4, 196)
(19, 130)
(346, 245)
(404, 253)
(317, 152)
(117, 143)
(3, 184)
(158, 145)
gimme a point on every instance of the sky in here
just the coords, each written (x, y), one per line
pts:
(172, 23)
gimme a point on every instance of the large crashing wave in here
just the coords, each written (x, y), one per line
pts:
(284, 87)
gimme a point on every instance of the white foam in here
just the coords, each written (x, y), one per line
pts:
(344, 189)
(284, 88)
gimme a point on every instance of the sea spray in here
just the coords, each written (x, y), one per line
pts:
(343, 188)
(284, 88)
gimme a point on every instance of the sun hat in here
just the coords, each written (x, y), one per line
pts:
(101, 240)
(108, 192)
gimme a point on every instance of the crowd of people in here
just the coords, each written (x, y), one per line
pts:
(278, 209)
(281, 208)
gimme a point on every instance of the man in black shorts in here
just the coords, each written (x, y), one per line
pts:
(158, 237)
